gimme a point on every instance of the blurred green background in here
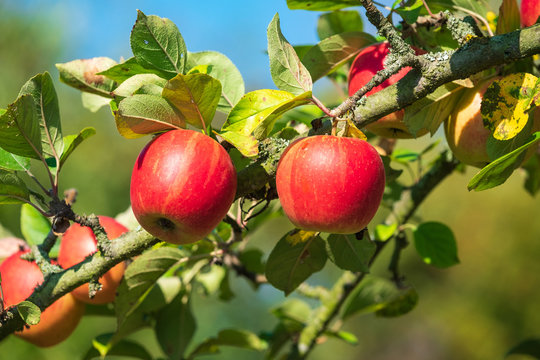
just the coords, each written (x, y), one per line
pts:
(475, 310)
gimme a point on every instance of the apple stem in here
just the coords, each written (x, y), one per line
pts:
(334, 127)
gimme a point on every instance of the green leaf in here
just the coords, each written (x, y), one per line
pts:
(530, 347)
(127, 69)
(375, 294)
(141, 275)
(532, 169)
(211, 280)
(34, 226)
(29, 312)
(9, 161)
(478, 6)
(102, 347)
(41, 88)
(321, 5)
(157, 44)
(257, 112)
(230, 337)
(222, 69)
(431, 111)
(175, 327)
(290, 264)
(140, 115)
(288, 72)
(12, 189)
(71, 142)
(83, 75)
(195, 96)
(509, 18)
(333, 51)
(436, 244)
(383, 232)
(246, 144)
(346, 336)
(141, 84)
(293, 313)
(496, 172)
(405, 156)
(338, 22)
(94, 102)
(350, 253)
(19, 129)
(410, 12)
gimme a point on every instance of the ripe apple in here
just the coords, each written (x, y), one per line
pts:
(465, 131)
(368, 62)
(182, 185)
(19, 278)
(9, 246)
(77, 243)
(330, 184)
(530, 11)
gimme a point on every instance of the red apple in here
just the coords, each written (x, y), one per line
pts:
(77, 243)
(330, 184)
(182, 186)
(530, 11)
(9, 246)
(368, 62)
(19, 278)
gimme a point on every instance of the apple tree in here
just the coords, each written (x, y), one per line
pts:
(211, 173)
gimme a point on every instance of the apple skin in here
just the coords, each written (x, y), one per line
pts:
(330, 184)
(10, 245)
(366, 64)
(182, 185)
(530, 11)
(19, 278)
(77, 243)
(465, 132)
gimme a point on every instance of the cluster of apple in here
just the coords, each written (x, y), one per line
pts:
(58, 321)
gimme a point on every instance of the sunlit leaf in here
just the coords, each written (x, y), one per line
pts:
(246, 144)
(195, 96)
(222, 69)
(289, 265)
(94, 102)
(140, 115)
(29, 312)
(157, 44)
(83, 75)
(288, 72)
(496, 172)
(383, 232)
(334, 51)
(257, 111)
(411, 11)
(9, 161)
(436, 244)
(103, 348)
(506, 104)
(338, 22)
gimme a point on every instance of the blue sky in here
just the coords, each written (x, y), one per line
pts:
(235, 28)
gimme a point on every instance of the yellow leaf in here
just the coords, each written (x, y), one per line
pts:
(352, 131)
(300, 236)
(507, 102)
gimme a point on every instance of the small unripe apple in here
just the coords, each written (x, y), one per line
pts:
(465, 131)
(182, 185)
(330, 184)
(19, 278)
(77, 243)
(366, 64)
(530, 11)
